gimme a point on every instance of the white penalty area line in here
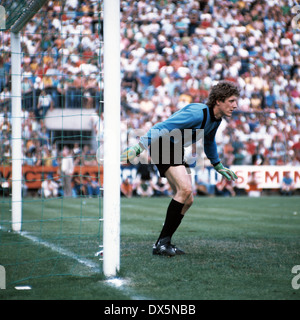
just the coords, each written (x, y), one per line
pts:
(88, 263)
(116, 282)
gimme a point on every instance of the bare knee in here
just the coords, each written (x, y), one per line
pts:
(190, 200)
(187, 204)
(185, 194)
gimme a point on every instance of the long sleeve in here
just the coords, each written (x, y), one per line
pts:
(187, 118)
(210, 147)
(67, 166)
(195, 116)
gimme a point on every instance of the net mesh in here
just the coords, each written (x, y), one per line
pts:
(61, 120)
(18, 13)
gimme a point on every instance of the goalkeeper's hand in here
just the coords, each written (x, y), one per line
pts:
(227, 173)
(130, 153)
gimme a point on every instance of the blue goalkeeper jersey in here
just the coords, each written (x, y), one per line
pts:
(191, 118)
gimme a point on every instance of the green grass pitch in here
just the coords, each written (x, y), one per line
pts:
(236, 248)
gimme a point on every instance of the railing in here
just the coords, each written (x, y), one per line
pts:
(70, 98)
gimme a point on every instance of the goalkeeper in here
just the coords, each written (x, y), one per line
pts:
(222, 101)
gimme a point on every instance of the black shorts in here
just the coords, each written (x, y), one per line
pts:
(166, 158)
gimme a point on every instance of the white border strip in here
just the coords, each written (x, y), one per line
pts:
(90, 264)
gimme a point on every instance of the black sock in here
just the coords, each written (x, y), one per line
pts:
(173, 219)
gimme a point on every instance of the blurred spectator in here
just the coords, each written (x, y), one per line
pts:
(5, 127)
(126, 188)
(47, 158)
(6, 160)
(5, 95)
(296, 149)
(27, 88)
(28, 159)
(44, 137)
(252, 186)
(258, 158)
(161, 187)
(67, 169)
(129, 80)
(88, 157)
(270, 100)
(287, 185)
(202, 183)
(44, 104)
(239, 157)
(49, 187)
(92, 186)
(201, 188)
(144, 188)
(2, 74)
(228, 155)
(225, 188)
(24, 187)
(4, 186)
(78, 186)
(144, 184)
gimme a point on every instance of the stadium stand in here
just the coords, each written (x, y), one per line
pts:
(172, 52)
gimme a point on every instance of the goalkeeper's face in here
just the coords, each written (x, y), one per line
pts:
(227, 107)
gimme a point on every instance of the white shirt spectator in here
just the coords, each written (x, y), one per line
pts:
(72, 3)
(153, 66)
(49, 188)
(67, 165)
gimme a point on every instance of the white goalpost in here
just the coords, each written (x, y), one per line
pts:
(19, 21)
(111, 164)
(16, 144)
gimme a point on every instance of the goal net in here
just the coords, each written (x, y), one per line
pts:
(51, 118)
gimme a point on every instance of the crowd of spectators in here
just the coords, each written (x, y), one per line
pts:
(61, 68)
(172, 52)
